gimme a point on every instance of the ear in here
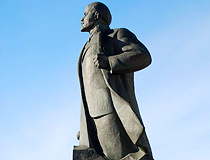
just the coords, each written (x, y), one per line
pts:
(96, 15)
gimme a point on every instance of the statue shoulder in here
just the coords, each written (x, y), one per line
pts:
(120, 33)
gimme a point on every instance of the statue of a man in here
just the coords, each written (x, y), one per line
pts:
(110, 120)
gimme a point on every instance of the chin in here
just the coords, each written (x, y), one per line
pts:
(87, 28)
(84, 29)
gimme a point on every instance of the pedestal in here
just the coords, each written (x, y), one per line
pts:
(84, 153)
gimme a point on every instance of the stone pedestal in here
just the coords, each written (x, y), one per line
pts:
(85, 153)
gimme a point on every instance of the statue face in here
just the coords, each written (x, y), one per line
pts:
(88, 21)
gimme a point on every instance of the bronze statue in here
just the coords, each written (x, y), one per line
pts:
(110, 120)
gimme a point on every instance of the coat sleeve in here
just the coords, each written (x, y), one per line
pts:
(131, 55)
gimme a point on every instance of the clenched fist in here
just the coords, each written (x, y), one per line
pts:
(101, 61)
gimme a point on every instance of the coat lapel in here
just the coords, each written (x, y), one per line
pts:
(86, 47)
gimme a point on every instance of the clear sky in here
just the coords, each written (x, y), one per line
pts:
(40, 41)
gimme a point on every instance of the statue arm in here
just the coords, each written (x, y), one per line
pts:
(132, 54)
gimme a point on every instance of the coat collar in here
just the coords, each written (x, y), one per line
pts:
(98, 28)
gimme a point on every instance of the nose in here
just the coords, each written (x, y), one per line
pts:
(82, 19)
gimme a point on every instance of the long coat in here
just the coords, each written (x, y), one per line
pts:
(126, 54)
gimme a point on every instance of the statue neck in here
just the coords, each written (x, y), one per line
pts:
(99, 28)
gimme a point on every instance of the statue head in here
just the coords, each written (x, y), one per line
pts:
(95, 13)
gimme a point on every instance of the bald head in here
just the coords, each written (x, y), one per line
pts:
(95, 13)
(103, 11)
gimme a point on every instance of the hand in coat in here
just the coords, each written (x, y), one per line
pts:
(101, 61)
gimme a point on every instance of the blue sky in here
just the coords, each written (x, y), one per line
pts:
(40, 42)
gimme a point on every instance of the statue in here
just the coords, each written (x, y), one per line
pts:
(110, 124)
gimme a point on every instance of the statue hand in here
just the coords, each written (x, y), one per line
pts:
(78, 135)
(101, 61)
